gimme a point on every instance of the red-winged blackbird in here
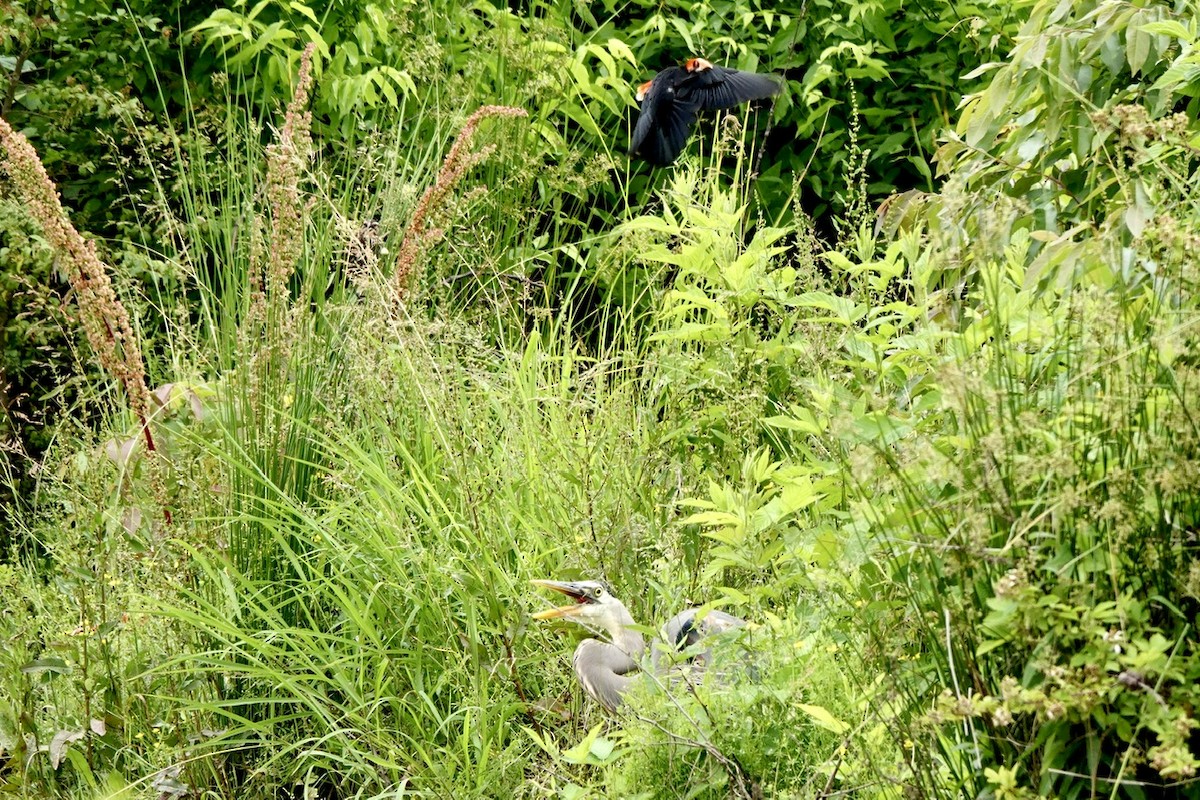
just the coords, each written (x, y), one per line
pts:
(672, 99)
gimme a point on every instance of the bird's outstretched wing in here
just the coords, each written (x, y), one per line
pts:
(719, 87)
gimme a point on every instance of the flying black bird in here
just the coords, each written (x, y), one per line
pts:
(672, 99)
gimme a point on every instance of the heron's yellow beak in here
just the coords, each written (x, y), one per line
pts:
(556, 613)
(570, 590)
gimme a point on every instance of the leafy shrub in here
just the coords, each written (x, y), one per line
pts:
(95, 94)
(1040, 546)
(950, 477)
(95, 88)
(574, 71)
(1007, 400)
(897, 66)
(753, 727)
(1067, 136)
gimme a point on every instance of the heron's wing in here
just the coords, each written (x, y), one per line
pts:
(663, 126)
(604, 671)
(715, 622)
(722, 88)
(689, 627)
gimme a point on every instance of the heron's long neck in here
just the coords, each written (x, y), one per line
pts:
(606, 670)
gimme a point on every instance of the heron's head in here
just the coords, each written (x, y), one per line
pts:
(594, 606)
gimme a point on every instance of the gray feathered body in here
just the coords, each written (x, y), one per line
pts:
(607, 669)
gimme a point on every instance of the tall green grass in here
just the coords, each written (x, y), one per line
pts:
(950, 485)
(379, 489)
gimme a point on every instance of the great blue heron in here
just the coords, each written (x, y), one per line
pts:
(608, 669)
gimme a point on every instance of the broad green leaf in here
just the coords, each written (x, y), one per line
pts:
(824, 719)
(547, 46)
(48, 664)
(843, 309)
(839, 260)
(684, 34)
(692, 298)
(1170, 28)
(594, 750)
(798, 419)
(982, 69)
(798, 493)
(545, 743)
(258, 8)
(580, 752)
(1180, 74)
(1140, 211)
(712, 518)
(304, 10)
(621, 50)
(988, 646)
(1137, 48)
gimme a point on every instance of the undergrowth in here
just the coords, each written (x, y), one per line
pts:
(945, 469)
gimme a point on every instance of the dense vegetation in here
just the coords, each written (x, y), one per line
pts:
(355, 318)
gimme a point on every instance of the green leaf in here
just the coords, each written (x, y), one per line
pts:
(594, 750)
(9, 64)
(1170, 28)
(304, 10)
(258, 9)
(603, 749)
(986, 647)
(1140, 211)
(49, 664)
(1181, 73)
(734, 536)
(546, 744)
(843, 309)
(622, 51)
(798, 493)
(880, 427)
(712, 518)
(1137, 48)
(798, 419)
(695, 298)
(684, 33)
(982, 69)
(824, 719)
(693, 331)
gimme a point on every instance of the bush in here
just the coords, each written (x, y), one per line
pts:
(98, 90)
(947, 477)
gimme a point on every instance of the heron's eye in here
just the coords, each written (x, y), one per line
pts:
(597, 592)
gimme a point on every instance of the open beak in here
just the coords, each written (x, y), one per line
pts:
(572, 590)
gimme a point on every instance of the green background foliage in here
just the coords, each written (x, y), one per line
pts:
(100, 90)
(942, 457)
